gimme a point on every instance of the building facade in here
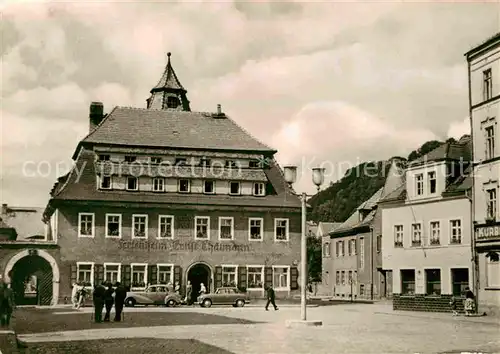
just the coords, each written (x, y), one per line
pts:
(484, 103)
(426, 229)
(167, 194)
(327, 279)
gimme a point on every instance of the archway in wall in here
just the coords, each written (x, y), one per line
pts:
(199, 273)
(32, 281)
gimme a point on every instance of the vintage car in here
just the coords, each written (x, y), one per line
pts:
(224, 296)
(152, 295)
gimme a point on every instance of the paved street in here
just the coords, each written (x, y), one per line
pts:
(346, 329)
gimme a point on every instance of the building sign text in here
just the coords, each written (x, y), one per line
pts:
(190, 246)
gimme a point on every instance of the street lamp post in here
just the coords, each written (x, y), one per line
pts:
(318, 176)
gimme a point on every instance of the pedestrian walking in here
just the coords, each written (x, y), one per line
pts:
(120, 295)
(98, 298)
(469, 302)
(453, 305)
(82, 294)
(189, 293)
(7, 304)
(203, 290)
(108, 301)
(74, 294)
(271, 298)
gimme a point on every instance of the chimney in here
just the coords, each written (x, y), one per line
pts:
(219, 110)
(96, 114)
(4, 209)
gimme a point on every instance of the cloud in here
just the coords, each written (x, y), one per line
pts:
(459, 129)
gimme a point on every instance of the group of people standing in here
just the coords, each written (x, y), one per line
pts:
(105, 296)
(7, 304)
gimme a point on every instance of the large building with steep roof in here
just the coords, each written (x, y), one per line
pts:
(426, 230)
(166, 194)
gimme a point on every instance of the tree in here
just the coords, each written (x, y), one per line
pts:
(314, 255)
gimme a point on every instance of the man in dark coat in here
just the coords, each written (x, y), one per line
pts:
(108, 301)
(98, 302)
(120, 295)
(6, 304)
(271, 298)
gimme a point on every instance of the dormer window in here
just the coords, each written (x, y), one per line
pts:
(104, 157)
(181, 161)
(208, 187)
(230, 163)
(259, 189)
(130, 159)
(184, 185)
(105, 182)
(254, 164)
(132, 183)
(204, 162)
(432, 182)
(419, 184)
(158, 184)
(234, 188)
(172, 102)
(156, 160)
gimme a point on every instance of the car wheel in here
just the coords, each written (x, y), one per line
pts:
(171, 303)
(240, 303)
(130, 302)
(207, 303)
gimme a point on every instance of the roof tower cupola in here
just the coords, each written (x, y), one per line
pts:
(168, 94)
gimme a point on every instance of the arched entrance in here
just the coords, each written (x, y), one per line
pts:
(34, 277)
(199, 273)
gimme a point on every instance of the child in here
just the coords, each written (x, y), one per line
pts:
(453, 304)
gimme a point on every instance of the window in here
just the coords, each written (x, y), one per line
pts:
(180, 161)
(166, 227)
(379, 243)
(281, 278)
(487, 85)
(229, 275)
(456, 231)
(493, 270)
(113, 225)
(172, 102)
(105, 182)
(112, 272)
(158, 184)
(349, 247)
(337, 248)
(258, 189)
(165, 273)
(342, 248)
(416, 235)
(132, 184)
(433, 281)
(184, 185)
(337, 278)
(435, 231)
(342, 277)
(398, 236)
(208, 187)
(84, 273)
(202, 228)
(256, 229)
(281, 229)
(419, 184)
(460, 280)
(139, 275)
(353, 241)
(361, 289)
(349, 278)
(226, 228)
(86, 225)
(234, 188)
(361, 253)
(407, 282)
(490, 142)
(255, 277)
(432, 182)
(139, 226)
(130, 159)
(104, 157)
(491, 200)
(204, 162)
(254, 164)
(155, 160)
(230, 163)
(326, 249)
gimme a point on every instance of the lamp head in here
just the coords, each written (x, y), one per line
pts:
(290, 173)
(318, 176)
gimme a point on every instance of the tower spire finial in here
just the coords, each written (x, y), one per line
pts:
(168, 55)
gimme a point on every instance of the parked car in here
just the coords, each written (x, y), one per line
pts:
(152, 295)
(224, 296)
(173, 299)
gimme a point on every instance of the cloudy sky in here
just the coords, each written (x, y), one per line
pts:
(334, 83)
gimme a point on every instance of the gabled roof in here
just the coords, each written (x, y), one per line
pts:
(169, 79)
(372, 202)
(172, 129)
(460, 150)
(26, 220)
(327, 227)
(461, 185)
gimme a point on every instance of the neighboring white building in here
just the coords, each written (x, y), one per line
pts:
(426, 228)
(484, 103)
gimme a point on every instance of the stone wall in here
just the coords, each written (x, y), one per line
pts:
(425, 303)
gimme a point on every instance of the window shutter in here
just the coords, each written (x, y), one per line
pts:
(153, 274)
(218, 277)
(268, 276)
(242, 277)
(73, 275)
(294, 275)
(178, 275)
(127, 273)
(99, 274)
